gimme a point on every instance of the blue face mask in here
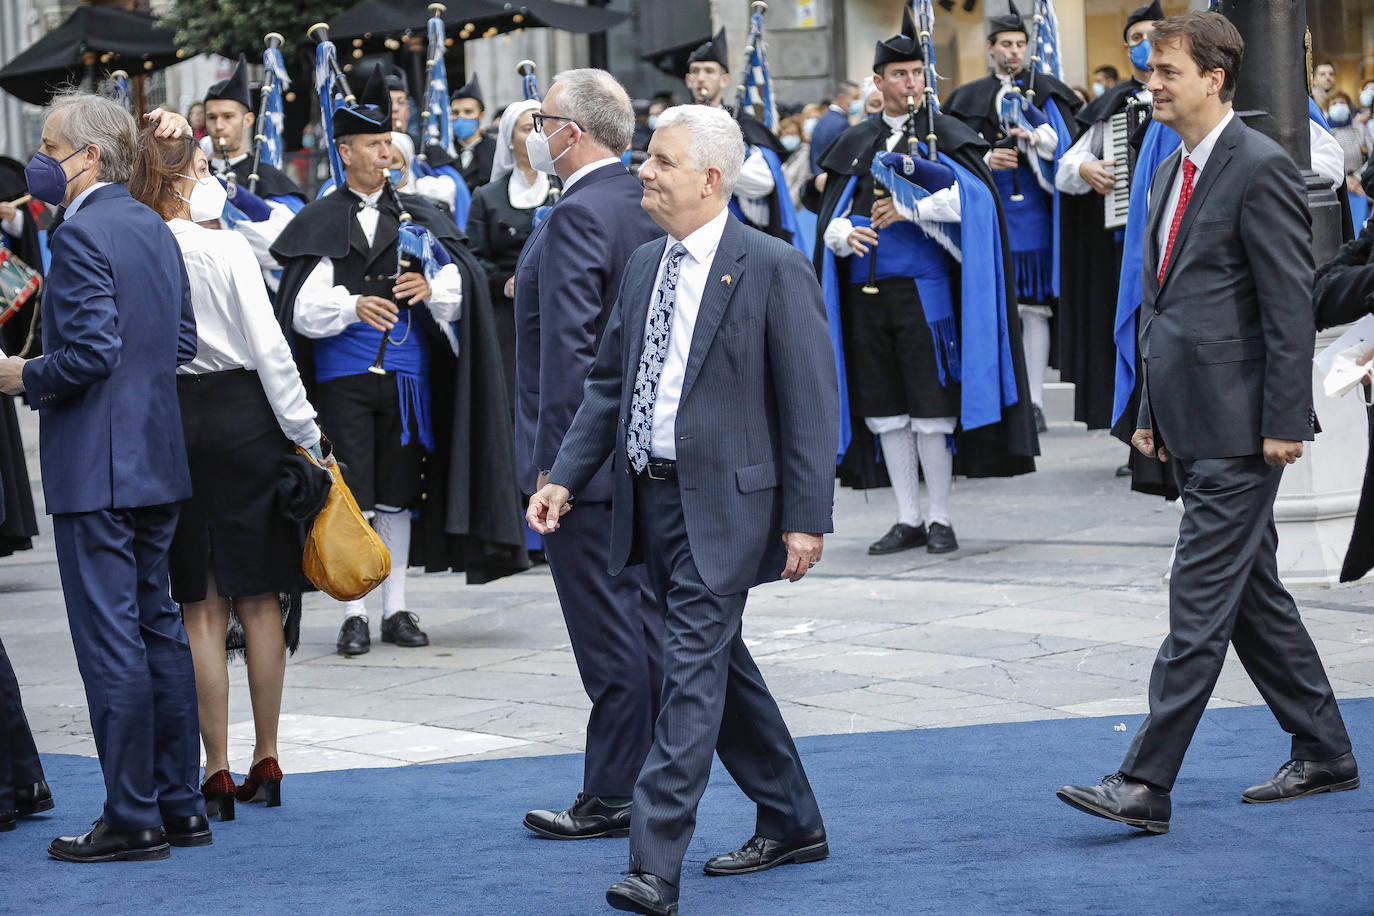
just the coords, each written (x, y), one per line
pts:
(1366, 98)
(653, 122)
(464, 127)
(1140, 55)
(1098, 89)
(791, 142)
(1338, 114)
(46, 180)
(856, 108)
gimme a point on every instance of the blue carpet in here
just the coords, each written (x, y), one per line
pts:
(960, 820)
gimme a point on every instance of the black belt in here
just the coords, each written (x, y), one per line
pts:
(660, 469)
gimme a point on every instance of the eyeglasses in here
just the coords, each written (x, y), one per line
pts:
(539, 120)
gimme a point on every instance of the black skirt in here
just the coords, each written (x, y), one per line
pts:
(234, 447)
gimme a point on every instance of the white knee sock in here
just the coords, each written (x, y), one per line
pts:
(357, 608)
(1035, 343)
(899, 454)
(938, 465)
(394, 530)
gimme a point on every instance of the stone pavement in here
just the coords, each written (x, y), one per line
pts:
(1054, 607)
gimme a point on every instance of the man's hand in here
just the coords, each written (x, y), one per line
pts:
(1020, 133)
(376, 311)
(861, 238)
(169, 124)
(1144, 442)
(1281, 452)
(412, 287)
(885, 214)
(7, 212)
(803, 552)
(1099, 175)
(12, 375)
(510, 288)
(547, 507)
(1002, 159)
(1352, 184)
(819, 181)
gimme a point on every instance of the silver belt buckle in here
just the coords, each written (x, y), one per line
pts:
(649, 469)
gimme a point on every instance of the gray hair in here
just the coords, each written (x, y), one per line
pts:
(599, 105)
(93, 120)
(713, 140)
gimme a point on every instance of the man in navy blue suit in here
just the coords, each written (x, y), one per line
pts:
(566, 282)
(117, 322)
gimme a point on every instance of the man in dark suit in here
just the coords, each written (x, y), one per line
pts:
(1227, 350)
(835, 121)
(117, 322)
(715, 400)
(565, 286)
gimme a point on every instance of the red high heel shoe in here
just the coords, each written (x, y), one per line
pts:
(263, 782)
(219, 792)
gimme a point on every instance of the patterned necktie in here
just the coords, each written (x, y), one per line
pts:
(1184, 194)
(657, 329)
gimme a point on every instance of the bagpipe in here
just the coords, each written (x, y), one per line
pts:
(883, 185)
(119, 90)
(757, 88)
(413, 243)
(924, 12)
(436, 119)
(267, 137)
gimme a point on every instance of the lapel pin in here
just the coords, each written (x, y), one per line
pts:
(727, 279)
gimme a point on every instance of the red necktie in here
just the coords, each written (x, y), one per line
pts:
(1184, 193)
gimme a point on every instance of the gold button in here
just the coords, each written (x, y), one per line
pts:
(424, 496)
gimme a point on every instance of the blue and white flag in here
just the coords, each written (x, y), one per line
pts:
(273, 118)
(1047, 39)
(439, 124)
(330, 98)
(758, 85)
(923, 14)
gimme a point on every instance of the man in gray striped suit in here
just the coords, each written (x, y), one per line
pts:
(714, 394)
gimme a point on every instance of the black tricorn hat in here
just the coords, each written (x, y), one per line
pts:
(1150, 11)
(714, 51)
(473, 90)
(396, 80)
(372, 112)
(906, 46)
(234, 89)
(1012, 22)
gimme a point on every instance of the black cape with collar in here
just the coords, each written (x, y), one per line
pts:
(18, 520)
(973, 103)
(1004, 449)
(478, 171)
(272, 181)
(471, 518)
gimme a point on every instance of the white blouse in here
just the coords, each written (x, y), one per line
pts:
(236, 326)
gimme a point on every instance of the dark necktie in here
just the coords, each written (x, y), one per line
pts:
(657, 331)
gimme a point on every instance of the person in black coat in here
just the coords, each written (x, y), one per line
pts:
(502, 218)
(474, 147)
(23, 790)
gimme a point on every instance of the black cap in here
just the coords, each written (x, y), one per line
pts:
(905, 46)
(396, 80)
(473, 90)
(1012, 22)
(1151, 12)
(234, 89)
(641, 107)
(371, 114)
(714, 51)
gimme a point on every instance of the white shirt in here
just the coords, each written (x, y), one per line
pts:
(262, 236)
(1199, 157)
(81, 199)
(324, 309)
(940, 207)
(236, 327)
(1087, 148)
(693, 275)
(14, 226)
(586, 170)
(526, 195)
(754, 188)
(1046, 137)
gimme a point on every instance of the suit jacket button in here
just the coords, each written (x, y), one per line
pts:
(1157, 310)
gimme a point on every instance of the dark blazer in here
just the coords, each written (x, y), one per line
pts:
(756, 425)
(1227, 340)
(566, 283)
(117, 322)
(827, 130)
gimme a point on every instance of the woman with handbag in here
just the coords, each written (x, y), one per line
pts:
(235, 559)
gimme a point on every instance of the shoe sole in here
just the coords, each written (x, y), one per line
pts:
(349, 653)
(615, 833)
(1156, 827)
(151, 854)
(630, 905)
(191, 839)
(814, 853)
(46, 804)
(883, 553)
(1345, 786)
(942, 549)
(406, 645)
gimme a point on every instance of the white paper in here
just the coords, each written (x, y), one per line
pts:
(1337, 363)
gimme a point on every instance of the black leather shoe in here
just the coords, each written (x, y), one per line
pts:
(400, 628)
(105, 844)
(1123, 471)
(942, 539)
(1300, 778)
(187, 831)
(899, 537)
(1040, 424)
(33, 798)
(353, 638)
(642, 892)
(588, 819)
(1119, 798)
(8, 820)
(761, 854)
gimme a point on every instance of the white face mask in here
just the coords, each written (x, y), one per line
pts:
(207, 198)
(537, 146)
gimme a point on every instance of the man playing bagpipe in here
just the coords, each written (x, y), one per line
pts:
(1026, 116)
(393, 331)
(761, 198)
(915, 272)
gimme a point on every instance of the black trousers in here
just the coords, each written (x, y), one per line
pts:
(616, 629)
(361, 415)
(1225, 588)
(19, 764)
(714, 699)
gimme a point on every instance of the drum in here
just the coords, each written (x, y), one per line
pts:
(18, 283)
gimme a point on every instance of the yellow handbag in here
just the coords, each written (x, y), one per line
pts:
(344, 557)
